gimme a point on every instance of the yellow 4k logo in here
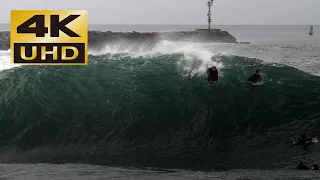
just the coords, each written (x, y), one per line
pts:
(49, 37)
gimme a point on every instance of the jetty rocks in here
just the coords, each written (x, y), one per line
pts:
(4, 40)
(99, 38)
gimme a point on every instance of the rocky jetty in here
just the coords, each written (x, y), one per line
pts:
(4, 40)
(99, 38)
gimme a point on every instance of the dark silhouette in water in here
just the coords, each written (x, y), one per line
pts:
(302, 166)
(315, 167)
(255, 77)
(303, 141)
(212, 75)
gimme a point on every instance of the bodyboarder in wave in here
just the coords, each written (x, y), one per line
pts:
(212, 74)
(255, 77)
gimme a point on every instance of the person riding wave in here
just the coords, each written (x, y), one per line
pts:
(255, 77)
(212, 75)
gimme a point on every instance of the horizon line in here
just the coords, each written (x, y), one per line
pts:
(199, 24)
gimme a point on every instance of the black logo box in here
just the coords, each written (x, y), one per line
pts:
(49, 57)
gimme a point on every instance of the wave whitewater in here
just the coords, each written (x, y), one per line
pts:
(153, 107)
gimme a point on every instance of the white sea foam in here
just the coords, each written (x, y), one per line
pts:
(195, 57)
(5, 61)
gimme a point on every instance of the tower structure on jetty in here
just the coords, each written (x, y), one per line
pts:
(209, 4)
(209, 29)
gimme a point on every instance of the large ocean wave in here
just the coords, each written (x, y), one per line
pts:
(153, 106)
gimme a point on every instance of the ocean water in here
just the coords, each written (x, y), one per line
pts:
(139, 112)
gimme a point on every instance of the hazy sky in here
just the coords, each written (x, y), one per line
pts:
(230, 12)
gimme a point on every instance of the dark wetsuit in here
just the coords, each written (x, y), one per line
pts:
(315, 167)
(212, 75)
(254, 78)
(303, 141)
(302, 166)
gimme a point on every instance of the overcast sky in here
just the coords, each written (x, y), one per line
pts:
(224, 12)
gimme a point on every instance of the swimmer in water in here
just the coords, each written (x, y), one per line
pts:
(315, 167)
(304, 141)
(302, 166)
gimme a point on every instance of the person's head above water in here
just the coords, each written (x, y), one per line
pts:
(301, 164)
(258, 72)
(315, 167)
(213, 68)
